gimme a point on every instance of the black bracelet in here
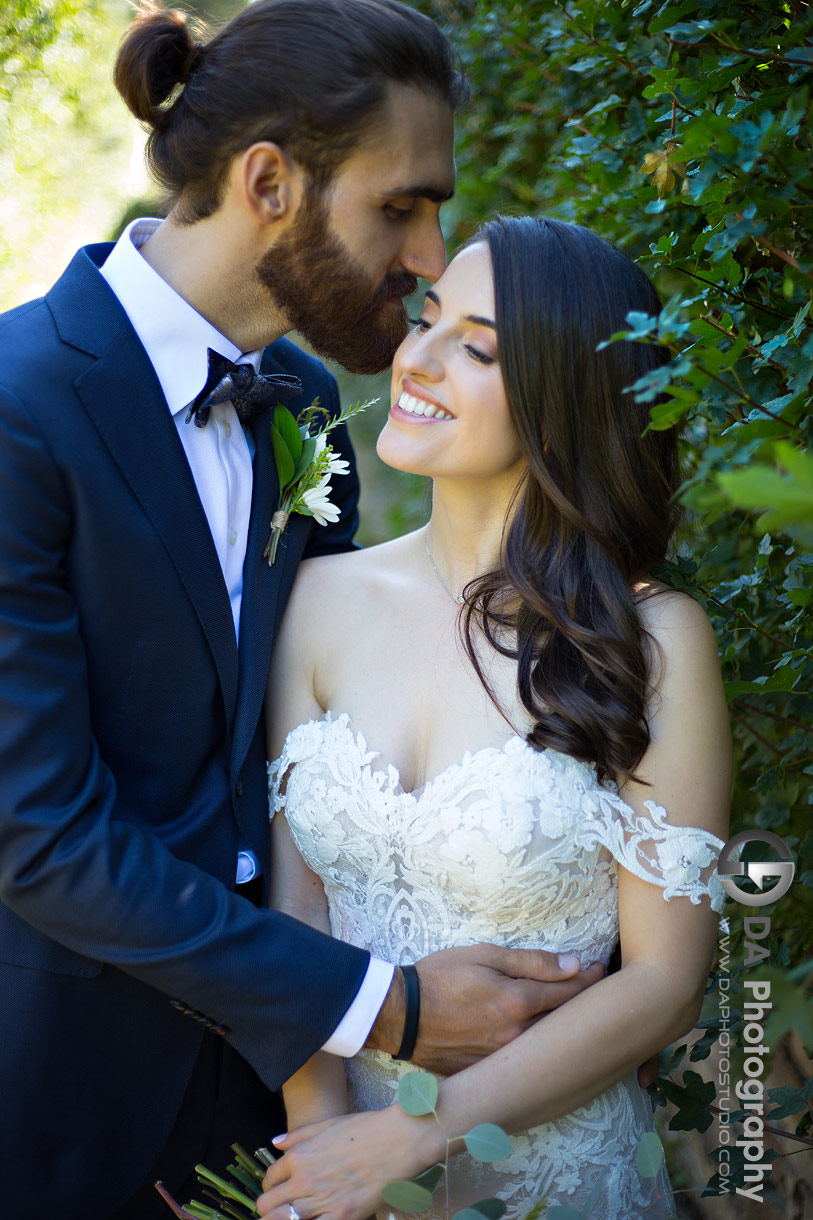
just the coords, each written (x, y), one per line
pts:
(412, 1012)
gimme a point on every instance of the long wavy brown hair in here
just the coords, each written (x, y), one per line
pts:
(595, 511)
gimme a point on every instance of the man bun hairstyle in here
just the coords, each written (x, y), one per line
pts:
(309, 75)
(157, 54)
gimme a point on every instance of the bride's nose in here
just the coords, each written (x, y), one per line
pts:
(421, 356)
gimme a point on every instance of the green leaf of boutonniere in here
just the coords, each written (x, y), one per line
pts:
(283, 458)
(287, 441)
(305, 458)
(288, 428)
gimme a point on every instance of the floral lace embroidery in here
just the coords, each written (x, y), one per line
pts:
(513, 846)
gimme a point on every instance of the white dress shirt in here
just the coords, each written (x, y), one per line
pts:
(176, 338)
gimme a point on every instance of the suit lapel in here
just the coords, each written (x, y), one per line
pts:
(261, 590)
(122, 396)
(262, 584)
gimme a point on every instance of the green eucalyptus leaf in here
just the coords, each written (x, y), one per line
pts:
(649, 1155)
(488, 1142)
(492, 1209)
(407, 1196)
(590, 1205)
(418, 1093)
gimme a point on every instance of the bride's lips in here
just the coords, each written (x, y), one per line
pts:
(418, 407)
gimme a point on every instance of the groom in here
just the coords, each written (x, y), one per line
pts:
(149, 1001)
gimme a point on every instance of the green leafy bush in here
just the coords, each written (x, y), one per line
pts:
(682, 133)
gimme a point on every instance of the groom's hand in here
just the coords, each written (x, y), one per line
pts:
(476, 999)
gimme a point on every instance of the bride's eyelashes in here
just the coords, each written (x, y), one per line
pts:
(480, 356)
(421, 326)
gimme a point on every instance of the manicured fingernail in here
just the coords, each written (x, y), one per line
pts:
(278, 1139)
(568, 961)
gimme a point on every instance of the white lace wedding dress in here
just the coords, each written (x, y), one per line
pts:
(512, 846)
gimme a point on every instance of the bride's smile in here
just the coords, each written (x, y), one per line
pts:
(419, 405)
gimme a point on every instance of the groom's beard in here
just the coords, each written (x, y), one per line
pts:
(330, 300)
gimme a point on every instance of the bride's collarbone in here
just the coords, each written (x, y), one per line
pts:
(415, 697)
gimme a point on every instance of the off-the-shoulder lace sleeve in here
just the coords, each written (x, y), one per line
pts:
(276, 798)
(301, 743)
(680, 859)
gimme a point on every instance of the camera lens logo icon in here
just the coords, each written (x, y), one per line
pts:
(783, 868)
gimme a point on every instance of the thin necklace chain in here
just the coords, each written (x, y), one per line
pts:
(455, 597)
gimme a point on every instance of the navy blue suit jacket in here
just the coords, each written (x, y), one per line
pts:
(132, 761)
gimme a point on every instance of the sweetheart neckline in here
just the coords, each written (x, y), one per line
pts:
(345, 721)
(564, 782)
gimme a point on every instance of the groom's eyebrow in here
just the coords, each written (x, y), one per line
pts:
(472, 317)
(422, 190)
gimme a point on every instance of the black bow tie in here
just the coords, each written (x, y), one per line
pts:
(249, 392)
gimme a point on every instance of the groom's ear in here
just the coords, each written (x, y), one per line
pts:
(272, 183)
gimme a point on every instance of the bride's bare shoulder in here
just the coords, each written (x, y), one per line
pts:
(666, 613)
(685, 650)
(347, 584)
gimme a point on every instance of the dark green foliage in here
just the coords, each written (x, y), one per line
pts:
(569, 100)
(682, 133)
(692, 1099)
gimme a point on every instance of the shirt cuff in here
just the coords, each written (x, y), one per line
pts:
(248, 867)
(351, 1033)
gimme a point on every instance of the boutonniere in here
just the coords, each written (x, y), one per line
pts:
(305, 464)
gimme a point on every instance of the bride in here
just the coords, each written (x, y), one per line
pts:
(509, 731)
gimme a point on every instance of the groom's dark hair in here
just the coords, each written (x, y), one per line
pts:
(309, 75)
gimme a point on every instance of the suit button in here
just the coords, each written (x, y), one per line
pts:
(238, 786)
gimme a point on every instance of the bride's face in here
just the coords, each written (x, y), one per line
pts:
(449, 416)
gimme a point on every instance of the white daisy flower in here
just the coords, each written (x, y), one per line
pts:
(318, 504)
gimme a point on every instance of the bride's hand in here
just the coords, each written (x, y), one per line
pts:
(338, 1168)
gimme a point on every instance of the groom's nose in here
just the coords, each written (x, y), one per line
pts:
(424, 250)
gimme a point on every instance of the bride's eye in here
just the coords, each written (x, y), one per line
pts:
(419, 325)
(477, 354)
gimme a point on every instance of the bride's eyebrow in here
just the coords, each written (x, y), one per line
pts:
(475, 318)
